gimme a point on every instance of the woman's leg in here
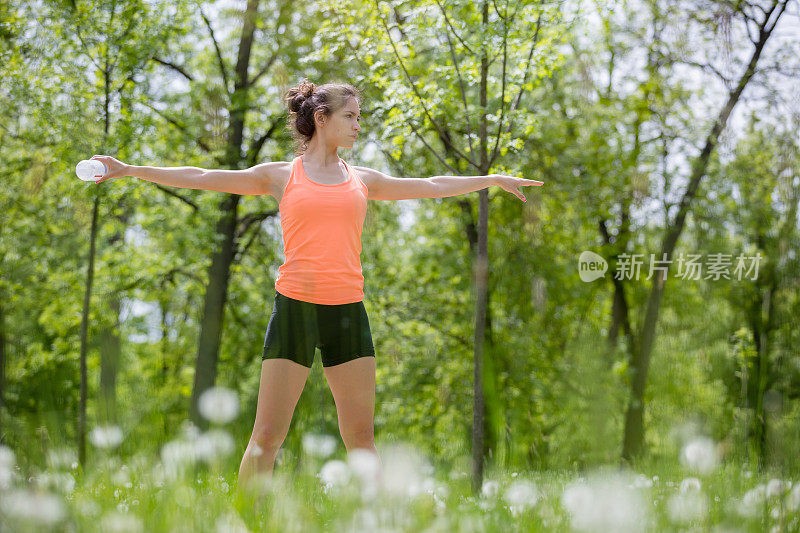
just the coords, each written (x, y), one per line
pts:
(353, 387)
(282, 382)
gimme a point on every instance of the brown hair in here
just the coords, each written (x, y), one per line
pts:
(305, 99)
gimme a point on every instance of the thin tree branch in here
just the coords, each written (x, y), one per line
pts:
(179, 197)
(414, 87)
(255, 148)
(174, 67)
(180, 126)
(527, 67)
(251, 218)
(264, 69)
(449, 25)
(223, 70)
(703, 66)
(503, 91)
(462, 90)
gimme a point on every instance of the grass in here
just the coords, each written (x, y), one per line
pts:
(191, 486)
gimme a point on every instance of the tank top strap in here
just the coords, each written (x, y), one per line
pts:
(351, 170)
(293, 173)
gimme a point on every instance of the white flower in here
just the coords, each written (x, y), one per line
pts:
(606, 502)
(490, 488)
(219, 405)
(793, 498)
(7, 457)
(6, 467)
(367, 468)
(684, 507)
(176, 456)
(58, 458)
(213, 444)
(753, 501)
(520, 495)
(37, 507)
(106, 436)
(119, 522)
(404, 469)
(59, 481)
(776, 487)
(318, 445)
(334, 473)
(700, 454)
(689, 484)
(230, 523)
(641, 481)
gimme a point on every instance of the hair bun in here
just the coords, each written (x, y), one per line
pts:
(306, 88)
(299, 94)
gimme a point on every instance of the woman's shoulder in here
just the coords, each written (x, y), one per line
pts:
(275, 174)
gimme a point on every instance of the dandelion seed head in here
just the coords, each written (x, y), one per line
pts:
(318, 445)
(62, 482)
(121, 476)
(219, 405)
(490, 488)
(121, 522)
(753, 501)
(214, 444)
(404, 469)
(334, 474)
(7, 463)
(7, 458)
(366, 467)
(189, 431)
(87, 508)
(689, 484)
(108, 436)
(176, 456)
(230, 523)
(606, 502)
(700, 455)
(35, 507)
(642, 481)
(520, 495)
(793, 498)
(685, 507)
(58, 458)
(775, 488)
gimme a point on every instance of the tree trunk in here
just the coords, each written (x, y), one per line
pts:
(214, 307)
(84, 334)
(219, 271)
(2, 364)
(633, 440)
(481, 276)
(109, 364)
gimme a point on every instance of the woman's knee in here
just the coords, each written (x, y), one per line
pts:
(269, 439)
(358, 438)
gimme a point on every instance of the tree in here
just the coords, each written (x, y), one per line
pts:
(454, 81)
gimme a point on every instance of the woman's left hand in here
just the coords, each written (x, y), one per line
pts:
(512, 184)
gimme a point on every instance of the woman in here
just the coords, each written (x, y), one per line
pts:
(319, 289)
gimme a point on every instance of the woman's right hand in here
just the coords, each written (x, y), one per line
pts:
(116, 168)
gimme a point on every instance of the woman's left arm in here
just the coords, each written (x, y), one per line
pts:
(455, 185)
(384, 187)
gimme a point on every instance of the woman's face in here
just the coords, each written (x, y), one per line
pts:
(342, 126)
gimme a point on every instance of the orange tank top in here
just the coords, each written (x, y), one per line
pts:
(321, 226)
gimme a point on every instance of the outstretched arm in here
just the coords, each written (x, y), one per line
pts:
(260, 179)
(384, 187)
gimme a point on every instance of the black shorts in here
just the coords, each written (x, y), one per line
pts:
(296, 328)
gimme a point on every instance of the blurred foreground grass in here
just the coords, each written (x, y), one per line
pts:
(191, 486)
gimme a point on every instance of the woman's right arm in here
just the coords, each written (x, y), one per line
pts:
(260, 179)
